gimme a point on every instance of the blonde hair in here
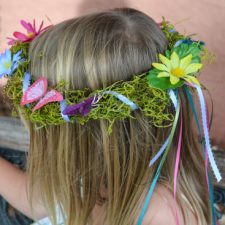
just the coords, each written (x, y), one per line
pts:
(95, 51)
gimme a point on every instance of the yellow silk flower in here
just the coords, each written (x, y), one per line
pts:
(177, 68)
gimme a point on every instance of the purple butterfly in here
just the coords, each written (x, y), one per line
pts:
(82, 108)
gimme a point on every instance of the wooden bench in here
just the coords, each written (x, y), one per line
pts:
(13, 134)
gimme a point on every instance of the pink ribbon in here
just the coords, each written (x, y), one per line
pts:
(177, 161)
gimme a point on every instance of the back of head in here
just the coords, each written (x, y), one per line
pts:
(95, 51)
(98, 49)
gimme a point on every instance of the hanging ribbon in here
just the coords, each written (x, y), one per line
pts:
(208, 180)
(191, 102)
(178, 155)
(173, 98)
(206, 134)
(177, 162)
(157, 173)
(159, 153)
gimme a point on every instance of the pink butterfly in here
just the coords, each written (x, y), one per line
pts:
(38, 91)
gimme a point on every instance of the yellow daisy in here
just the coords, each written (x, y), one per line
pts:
(177, 68)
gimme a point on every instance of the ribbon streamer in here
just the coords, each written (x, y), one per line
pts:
(208, 180)
(123, 99)
(157, 173)
(206, 134)
(178, 155)
(159, 153)
(191, 101)
(177, 162)
(162, 149)
(173, 98)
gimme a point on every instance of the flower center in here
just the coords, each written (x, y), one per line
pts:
(178, 72)
(7, 65)
(30, 35)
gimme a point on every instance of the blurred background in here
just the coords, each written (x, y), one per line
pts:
(203, 17)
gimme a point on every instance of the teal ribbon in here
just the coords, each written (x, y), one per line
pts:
(173, 98)
(191, 102)
(206, 134)
(157, 173)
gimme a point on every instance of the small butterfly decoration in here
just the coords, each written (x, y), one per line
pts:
(83, 108)
(38, 91)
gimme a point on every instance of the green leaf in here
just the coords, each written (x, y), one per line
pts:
(168, 54)
(184, 50)
(162, 83)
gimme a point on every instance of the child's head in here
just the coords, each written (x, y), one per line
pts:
(99, 49)
(95, 51)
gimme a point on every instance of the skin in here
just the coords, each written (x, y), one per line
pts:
(161, 211)
(164, 207)
(13, 188)
(3, 81)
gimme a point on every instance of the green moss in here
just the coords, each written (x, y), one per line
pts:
(172, 37)
(152, 102)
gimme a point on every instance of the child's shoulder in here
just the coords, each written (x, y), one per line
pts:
(163, 209)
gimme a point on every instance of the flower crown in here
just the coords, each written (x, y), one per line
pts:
(154, 93)
(145, 92)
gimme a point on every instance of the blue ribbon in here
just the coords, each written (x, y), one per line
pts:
(157, 173)
(26, 81)
(206, 134)
(123, 99)
(159, 153)
(62, 107)
(173, 98)
(199, 131)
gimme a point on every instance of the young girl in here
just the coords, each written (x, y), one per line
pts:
(90, 149)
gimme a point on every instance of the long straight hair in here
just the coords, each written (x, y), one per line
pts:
(95, 51)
